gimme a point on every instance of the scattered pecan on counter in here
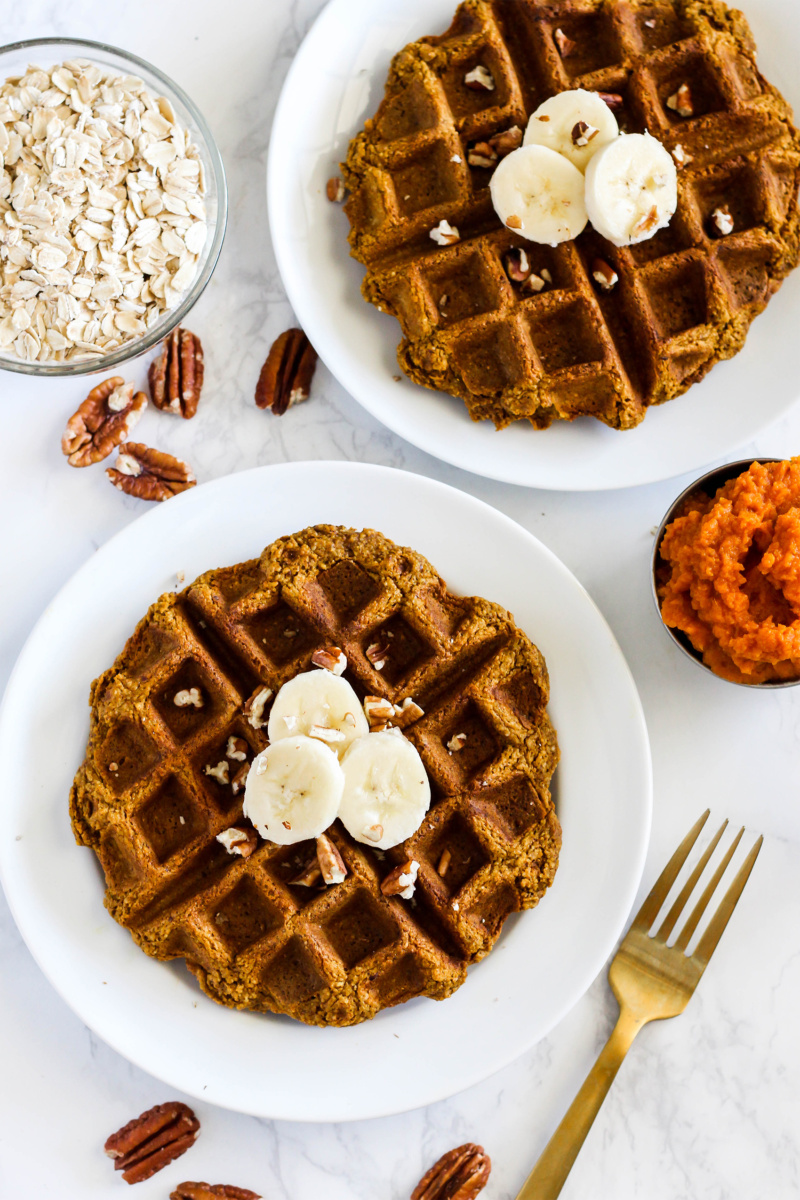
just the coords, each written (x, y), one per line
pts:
(212, 1191)
(106, 418)
(458, 1175)
(176, 378)
(286, 376)
(152, 1140)
(149, 474)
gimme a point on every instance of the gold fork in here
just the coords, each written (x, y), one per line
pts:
(651, 981)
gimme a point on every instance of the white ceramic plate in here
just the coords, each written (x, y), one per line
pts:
(335, 83)
(153, 1012)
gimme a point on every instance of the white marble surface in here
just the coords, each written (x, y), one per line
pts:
(707, 1106)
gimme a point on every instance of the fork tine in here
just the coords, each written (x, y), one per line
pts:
(660, 889)
(680, 903)
(708, 942)
(685, 936)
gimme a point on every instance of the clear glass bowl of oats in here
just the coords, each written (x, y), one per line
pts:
(113, 205)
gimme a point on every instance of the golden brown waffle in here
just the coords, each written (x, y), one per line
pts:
(684, 300)
(144, 802)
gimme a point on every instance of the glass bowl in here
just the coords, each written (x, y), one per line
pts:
(708, 483)
(47, 53)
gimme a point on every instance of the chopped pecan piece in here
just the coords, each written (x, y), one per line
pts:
(212, 1191)
(682, 159)
(445, 234)
(503, 143)
(238, 841)
(533, 284)
(458, 1175)
(401, 880)
(409, 709)
(286, 375)
(479, 79)
(176, 376)
(254, 707)
(612, 99)
(444, 863)
(646, 223)
(220, 772)
(149, 474)
(482, 154)
(188, 698)
(335, 190)
(566, 46)
(722, 220)
(514, 222)
(310, 876)
(236, 749)
(330, 658)
(105, 419)
(378, 710)
(152, 1140)
(377, 653)
(331, 863)
(604, 274)
(681, 101)
(582, 133)
(457, 743)
(240, 779)
(518, 265)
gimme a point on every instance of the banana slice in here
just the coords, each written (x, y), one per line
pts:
(631, 189)
(321, 705)
(539, 194)
(293, 790)
(386, 790)
(576, 124)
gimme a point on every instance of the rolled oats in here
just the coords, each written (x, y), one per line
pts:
(102, 220)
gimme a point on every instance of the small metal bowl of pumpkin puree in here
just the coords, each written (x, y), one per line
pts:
(745, 573)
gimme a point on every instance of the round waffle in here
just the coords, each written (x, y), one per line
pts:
(684, 300)
(145, 802)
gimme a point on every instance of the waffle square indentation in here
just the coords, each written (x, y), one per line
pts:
(426, 180)
(594, 39)
(456, 853)
(513, 806)
(280, 633)
(127, 755)
(245, 915)
(294, 975)
(184, 720)
(461, 286)
(404, 648)
(403, 981)
(358, 928)
(565, 336)
(677, 297)
(523, 696)
(171, 819)
(494, 906)
(348, 588)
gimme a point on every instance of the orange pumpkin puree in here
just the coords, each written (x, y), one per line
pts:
(730, 574)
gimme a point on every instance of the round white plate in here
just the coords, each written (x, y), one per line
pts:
(335, 83)
(153, 1012)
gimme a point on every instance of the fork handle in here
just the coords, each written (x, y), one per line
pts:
(555, 1163)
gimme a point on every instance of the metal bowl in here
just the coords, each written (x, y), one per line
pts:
(708, 483)
(47, 52)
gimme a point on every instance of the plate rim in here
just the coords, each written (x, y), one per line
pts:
(83, 1008)
(330, 350)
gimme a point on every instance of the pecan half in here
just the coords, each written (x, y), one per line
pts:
(458, 1175)
(331, 863)
(149, 474)
(176, 377)
(286, 375)
(105, 419)
(212, 1191)
(152, 1140)
(401, 880)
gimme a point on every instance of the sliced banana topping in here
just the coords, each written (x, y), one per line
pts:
(319, 704)
(539, 194)
(576, 124)
(386, 791)
(293, 790)
(631, 189)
